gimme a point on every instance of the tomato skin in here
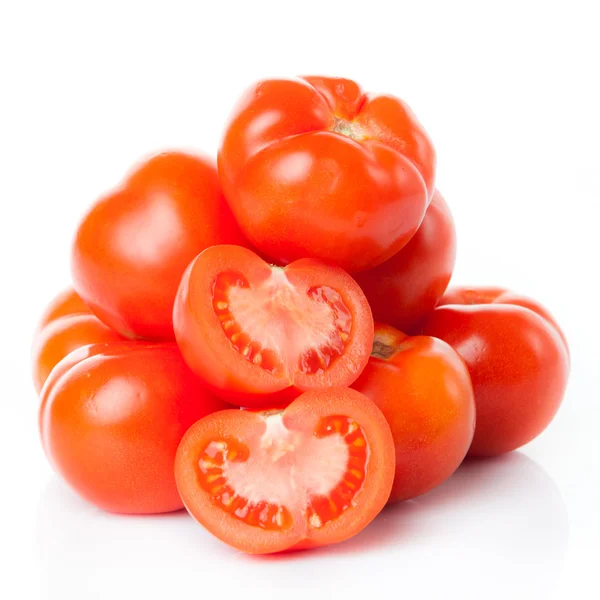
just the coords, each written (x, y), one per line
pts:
(111, 418)
(65, 303)
(209, 352)
(135, 243)
(62, 336)
(302, 414)
(423, 388)
(407, 287)
(518, 360)
(314, 167)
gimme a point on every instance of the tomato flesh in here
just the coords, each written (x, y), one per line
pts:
(284, 474)
(313, 474)
(257, 332)
(278, 328)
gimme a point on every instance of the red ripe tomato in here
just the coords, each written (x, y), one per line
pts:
(315, 167)
(66, 303)
(315, 474)
(63, 335)
(423, 388)
(407, 287)
(111, 418)
(251, 330)
(518, 361)
(134, 244)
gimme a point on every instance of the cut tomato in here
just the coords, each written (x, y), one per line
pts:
(251, 330)
(314, 474)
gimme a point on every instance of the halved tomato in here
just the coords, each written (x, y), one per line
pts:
(314, 474)
(258, 333)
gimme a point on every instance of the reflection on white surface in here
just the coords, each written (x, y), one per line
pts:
(497, 529)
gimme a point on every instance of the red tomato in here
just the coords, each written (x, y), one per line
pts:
(252, 330)
(133, 246)
(423, 388)
(111, 419)
(518, 361)
(65, 303)
(63, 335)
(406, 288)
(315, 474)
(315, 167)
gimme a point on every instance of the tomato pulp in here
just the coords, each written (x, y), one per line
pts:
(253, 331)
(314, 474)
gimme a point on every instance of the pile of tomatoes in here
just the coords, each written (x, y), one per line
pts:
(271, 344)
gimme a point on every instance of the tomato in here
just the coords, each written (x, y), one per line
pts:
(63, 335)
(111, 418)
(133, 246)
(315, 167)
(423, 388)
(65, 303)
(314, 474)
(517, 357)
(406, 288)
(251, 330)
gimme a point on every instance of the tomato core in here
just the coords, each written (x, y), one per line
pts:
(348, 128)
(285, 474)
(279, 328)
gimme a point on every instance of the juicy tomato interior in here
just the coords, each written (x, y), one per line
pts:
(259, 334)
(283, 475)
(280, 328)
(316, 473)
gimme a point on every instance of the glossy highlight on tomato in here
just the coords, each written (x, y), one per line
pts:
(423, 388)
(404, 289)
(517, 357)
(111, 418)
(315, 167)
(260, 334)
(133, 246)
(315, 473)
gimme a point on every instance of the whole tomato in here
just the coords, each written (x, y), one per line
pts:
(315, 167)
(133, 246)
(61, 337)
(111, 418)
(406, 287)
(423, 388)
(517, 357)
(65, 303)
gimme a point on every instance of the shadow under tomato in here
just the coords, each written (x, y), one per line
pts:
(499, 486)
(498, 525)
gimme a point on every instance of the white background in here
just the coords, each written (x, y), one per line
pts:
(509, 93)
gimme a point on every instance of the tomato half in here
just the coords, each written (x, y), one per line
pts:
(63, 335)
(315, 167)
(423, 388)
(517, 357)
(111, 418)
(314, 474)
(407, 287)
(133, 246)
(251, 330)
